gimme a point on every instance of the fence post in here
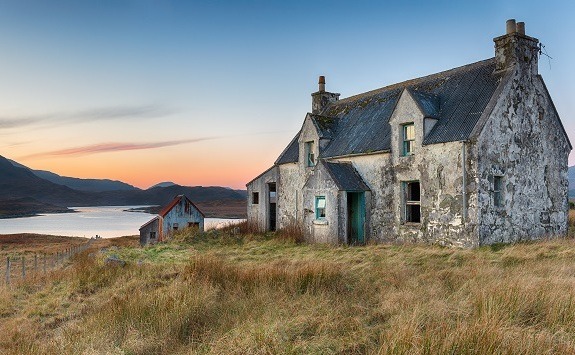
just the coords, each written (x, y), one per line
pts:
(44, 262)
(35, 263)
(23, 268)
(8, 271)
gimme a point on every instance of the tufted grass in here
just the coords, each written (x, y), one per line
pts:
(224, 292)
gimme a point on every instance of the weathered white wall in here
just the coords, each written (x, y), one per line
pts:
(523, 142)
(258, 213)
(328, 229)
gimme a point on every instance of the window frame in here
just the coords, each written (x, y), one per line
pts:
(411, 203)
(318, 209)
(407, 142)
(310, 160)
(497, 191)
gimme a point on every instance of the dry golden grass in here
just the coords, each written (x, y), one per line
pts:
(253, 294)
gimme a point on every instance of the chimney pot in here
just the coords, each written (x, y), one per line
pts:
(321, 83)
(511, 26)
(521, 28)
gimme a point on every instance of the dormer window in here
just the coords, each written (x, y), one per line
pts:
(309, 154)
(408, 131)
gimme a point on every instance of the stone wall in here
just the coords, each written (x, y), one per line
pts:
(524, 143)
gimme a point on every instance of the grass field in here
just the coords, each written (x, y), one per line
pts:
(223, 293)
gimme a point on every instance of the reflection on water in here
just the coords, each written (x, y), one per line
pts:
(105, 221)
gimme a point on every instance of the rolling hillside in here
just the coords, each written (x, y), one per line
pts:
(19, 182)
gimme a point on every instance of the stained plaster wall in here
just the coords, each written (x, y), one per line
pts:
(524, 143)
(439, 170)
(325, 230)
(258, 213)
(179, 215)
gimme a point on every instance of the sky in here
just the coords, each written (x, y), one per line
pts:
(210, 93)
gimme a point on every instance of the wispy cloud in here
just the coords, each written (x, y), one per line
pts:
(114, 147)
(98, 114)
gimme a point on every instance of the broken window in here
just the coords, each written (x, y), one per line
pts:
(408, 139)
(309, 153)
(497, 191)
(175, 226)
(255, 198)
(320, 207)
(152, 235)
(193, 225)
(412, 201)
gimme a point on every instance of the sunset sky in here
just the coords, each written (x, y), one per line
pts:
(210, 93)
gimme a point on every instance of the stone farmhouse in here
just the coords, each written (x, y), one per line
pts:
(178, 214)
(469, 156)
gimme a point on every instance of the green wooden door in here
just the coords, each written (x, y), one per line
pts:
(356, 217)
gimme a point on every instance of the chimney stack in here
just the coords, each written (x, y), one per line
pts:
(516, 50)
(321, 98)
(321, 83)
(511, 26)
(521, 28)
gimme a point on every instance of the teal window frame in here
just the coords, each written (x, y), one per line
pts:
(408, 138)
(309, 154)
(320, 204)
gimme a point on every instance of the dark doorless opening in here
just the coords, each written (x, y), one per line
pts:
(272, 197)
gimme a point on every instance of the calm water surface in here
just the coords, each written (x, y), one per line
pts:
(105, 221)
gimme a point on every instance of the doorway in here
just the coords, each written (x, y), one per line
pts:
(272, 198)
(355, 217)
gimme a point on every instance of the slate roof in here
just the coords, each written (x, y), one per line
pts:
(360, 124)
(345, 176)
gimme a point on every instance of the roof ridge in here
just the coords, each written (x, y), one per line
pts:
(409, 82)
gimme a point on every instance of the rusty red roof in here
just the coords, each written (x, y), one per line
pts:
(174, 202)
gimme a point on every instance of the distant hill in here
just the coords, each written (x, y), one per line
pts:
(163, 184)
(19, 182)
(26, 207)
(92, 185)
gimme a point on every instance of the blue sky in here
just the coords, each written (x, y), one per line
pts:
(205, 85)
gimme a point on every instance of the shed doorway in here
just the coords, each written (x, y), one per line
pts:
(356, 218)
(272, 197)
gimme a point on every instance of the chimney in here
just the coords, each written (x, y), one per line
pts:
(321, 98)
(516, 50)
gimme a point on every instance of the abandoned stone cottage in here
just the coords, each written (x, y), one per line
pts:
(469, 156)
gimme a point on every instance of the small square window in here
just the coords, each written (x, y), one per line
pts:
(408, 139)
(309, 153)
(412, 201)
(175, 226)
(255, 198)
(152, 235)
(497, 191)
(320, 207)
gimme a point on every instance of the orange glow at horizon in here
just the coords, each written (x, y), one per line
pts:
(230, 163)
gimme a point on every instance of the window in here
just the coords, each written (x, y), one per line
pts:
(255, 198)
(175, 226)
(152, 235)
(412, 201)
(193, 225)
(497, 191)
(320, 207)
(408, 139)
(309, 153)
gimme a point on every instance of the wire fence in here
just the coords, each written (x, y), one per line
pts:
(21, 267)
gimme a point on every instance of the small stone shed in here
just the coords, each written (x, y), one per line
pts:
(469, 156)
(180, 213)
